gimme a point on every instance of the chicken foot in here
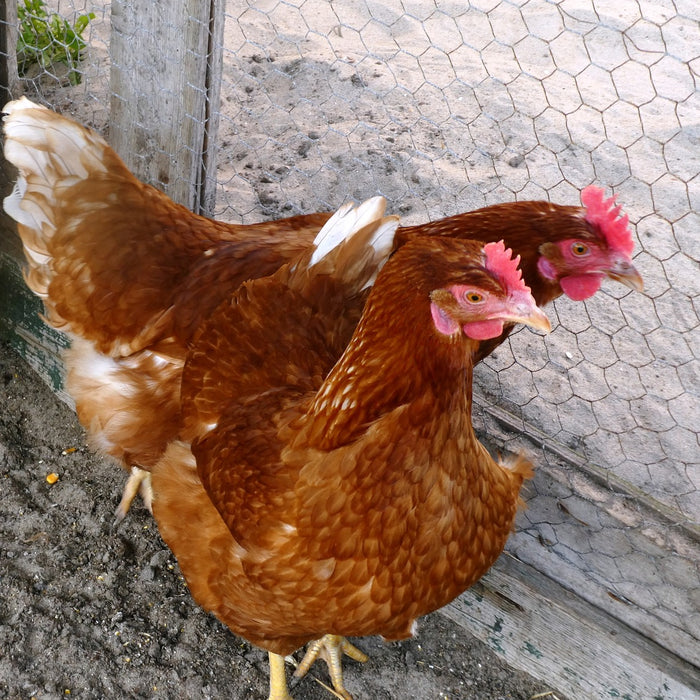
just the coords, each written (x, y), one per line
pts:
(331, 648)
(139, 481)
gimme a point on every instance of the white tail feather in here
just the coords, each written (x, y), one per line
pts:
(383, 243)
(50, 151)
(351, 220)
(11, 203)
(39, 141)
(344, 223)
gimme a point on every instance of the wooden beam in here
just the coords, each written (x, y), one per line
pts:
(8, 51)
(539, 627)
(596, 507)
(21, 325)
(165, 77)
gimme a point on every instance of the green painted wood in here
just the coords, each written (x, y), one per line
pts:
(21, 325)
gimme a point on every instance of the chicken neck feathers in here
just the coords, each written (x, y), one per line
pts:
(523, 226)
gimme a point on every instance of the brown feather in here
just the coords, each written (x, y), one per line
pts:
(128, 274)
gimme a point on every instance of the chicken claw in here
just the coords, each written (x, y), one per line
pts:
(138, 482)
(331, 648)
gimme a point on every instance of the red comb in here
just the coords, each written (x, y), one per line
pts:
(603, 213)
(505, 267)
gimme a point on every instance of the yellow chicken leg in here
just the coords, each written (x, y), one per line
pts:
(278, 678)
(331, 648)
(138, 482)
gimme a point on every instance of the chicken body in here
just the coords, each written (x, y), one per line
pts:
(131, 276)
(307, 486)
(338, 492)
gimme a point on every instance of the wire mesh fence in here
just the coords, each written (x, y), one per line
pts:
(444, 107)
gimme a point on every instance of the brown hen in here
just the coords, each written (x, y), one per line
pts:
(323, 493)
(128, 274)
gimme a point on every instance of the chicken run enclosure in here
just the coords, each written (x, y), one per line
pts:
(257, 110)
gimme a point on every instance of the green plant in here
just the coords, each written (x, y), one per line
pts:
(46, 39)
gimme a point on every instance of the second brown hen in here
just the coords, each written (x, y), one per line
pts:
(127, 273)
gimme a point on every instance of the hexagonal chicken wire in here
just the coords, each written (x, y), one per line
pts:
(447, 106)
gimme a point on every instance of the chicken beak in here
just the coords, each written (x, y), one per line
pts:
(525, 311)
(536, 318)
(622, 270)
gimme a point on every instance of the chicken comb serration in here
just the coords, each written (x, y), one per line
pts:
(603, 213)
(499, 260)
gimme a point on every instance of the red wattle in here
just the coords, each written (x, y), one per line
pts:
(483, 330)
(579, 287)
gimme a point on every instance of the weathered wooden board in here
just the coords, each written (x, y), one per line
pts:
(20, 310)
(8, 55)
(21, 325)
(619, 549)
(539, 627)
(165, 82)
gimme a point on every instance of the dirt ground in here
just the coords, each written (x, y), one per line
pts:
(93, 610)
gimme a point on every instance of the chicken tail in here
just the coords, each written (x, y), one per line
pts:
(354, 244)
(104, 251)
(51, 153)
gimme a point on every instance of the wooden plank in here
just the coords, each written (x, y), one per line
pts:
(165, 75)
(205, 193)
(21, 325)
(606, 528)
(20, 310)
(539, 627)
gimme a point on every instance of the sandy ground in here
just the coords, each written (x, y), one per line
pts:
(91, 610)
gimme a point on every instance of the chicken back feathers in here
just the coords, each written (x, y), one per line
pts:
(126, 272)
(347, 493)
(116, 261)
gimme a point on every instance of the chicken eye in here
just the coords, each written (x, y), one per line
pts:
(473, 297)
(579, 248)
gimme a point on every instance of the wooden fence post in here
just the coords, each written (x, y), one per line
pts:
(8, 50)
(165, 80)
